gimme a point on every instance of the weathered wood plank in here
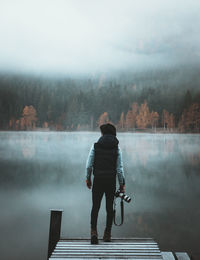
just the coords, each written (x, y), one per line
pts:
(95, 248)
(108, 247)
(167, 256)
(69, 256)
(106, 256)
(54, 230)
(182, 256)
(110, 258)
(117, 243)
(92, 253)
(108, 251)
(107, 244)
(114, 239)
(113, 242)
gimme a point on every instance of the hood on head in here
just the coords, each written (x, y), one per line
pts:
(108, 141)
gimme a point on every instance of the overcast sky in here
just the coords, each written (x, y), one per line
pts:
(86, 36)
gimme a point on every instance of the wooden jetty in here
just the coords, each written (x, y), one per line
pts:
(119, 248)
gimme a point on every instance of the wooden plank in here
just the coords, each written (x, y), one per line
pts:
(101, 241)
(106, 253)
(114, 239)
(96, 247)
(182, 256)
(167, 256)
(107, 244)
(107, 256)
(110, 258)
(108, 247)
(113, 242)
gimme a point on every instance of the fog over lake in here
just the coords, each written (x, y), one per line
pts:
(44, 170)
(86, 37)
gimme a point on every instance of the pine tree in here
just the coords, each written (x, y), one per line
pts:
(190, 119)
(187, 100)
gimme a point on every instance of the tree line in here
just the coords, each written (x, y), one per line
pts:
(28, 103)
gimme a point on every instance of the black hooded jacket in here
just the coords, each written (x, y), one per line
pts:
(105, 158)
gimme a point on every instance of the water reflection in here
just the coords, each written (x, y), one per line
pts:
(143, 150)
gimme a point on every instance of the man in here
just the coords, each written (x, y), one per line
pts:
(105, 162)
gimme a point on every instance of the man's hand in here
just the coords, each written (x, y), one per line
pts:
(122, 188)
(89, 184)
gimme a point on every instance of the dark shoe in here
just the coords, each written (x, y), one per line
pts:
(94, 237)
(107, 236)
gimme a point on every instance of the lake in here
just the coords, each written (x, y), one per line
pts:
(44, 170)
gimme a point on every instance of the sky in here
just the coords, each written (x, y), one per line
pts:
(90, 36)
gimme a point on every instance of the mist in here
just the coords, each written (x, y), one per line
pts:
(88, 37)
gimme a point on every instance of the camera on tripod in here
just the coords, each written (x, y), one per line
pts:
(123, 196)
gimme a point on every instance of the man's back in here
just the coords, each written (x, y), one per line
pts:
(105, 157)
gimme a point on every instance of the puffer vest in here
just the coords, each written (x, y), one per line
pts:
(105, 159)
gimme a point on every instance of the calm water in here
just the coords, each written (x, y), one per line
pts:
(40, 171)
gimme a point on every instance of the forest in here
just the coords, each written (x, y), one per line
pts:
(141, 101)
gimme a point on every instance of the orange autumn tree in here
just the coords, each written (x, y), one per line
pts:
(190, 119)
(143, 119)
(154, 116)
(171, 122)
(168, 121)
(129, 120)
(28, 120)
(131, 115)
(103, 119)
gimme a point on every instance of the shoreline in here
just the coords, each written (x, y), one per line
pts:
(97, 131)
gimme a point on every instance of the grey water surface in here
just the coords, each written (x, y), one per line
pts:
(44, 170)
